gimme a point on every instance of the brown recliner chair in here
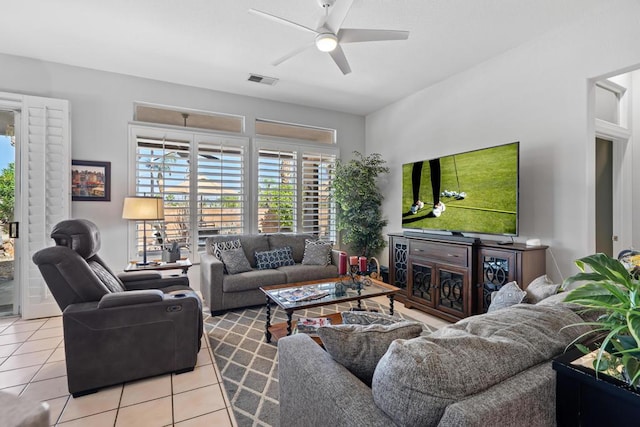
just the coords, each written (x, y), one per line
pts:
(117, 328)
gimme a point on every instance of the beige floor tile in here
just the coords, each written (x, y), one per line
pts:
(104, 419)
(57, 355)
(53, 322)
(21, 327)
(47, 333)
(154, 413)
(16, 377)
(51, 370)
(203, 357)
(38, 345)
(201, 376)
(47, 389)
(15, 390)
(5, 321)
(20, 321)
(145, 390)
(91, 404)
(8, 349)
(55, 408)
(15, 338)
(197, 402)
(218, 419)
(24, 360)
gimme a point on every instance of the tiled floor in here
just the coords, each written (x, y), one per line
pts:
(32, 365)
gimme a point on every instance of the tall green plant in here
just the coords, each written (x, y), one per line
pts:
(359, 202)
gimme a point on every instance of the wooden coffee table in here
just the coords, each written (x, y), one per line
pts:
(277, 294)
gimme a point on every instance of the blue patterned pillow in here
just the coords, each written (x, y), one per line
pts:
(274, 258)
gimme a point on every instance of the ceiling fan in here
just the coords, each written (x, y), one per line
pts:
(329, 35)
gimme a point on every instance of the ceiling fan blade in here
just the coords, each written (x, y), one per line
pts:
(292, 53)
(337, 14)
(281, 20)
(341, 61)
(352, 35)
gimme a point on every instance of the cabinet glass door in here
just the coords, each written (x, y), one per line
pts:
(497, 271)
(422, 285)
(451, 290)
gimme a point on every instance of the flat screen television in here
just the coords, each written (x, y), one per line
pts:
(479, 191)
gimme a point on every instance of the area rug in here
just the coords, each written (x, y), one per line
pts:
(249, 366)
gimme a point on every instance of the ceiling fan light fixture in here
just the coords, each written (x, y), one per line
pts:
(326, 42)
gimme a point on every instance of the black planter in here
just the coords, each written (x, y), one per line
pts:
(584, 400)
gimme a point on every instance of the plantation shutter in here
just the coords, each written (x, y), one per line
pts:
(163, 170)
(43, 193)
(220, 189)
(318, 209)
(277, 188)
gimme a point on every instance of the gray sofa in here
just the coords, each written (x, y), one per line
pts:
(491, 369)
(223, 291)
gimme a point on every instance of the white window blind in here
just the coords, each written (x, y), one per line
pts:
(199, 176)
(163, 170)
(220, 189)
(318, 209)
(277, 188)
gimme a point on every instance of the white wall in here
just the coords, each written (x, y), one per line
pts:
(536, 94)
(102, 106)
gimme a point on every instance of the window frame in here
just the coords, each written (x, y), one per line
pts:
(300, 148)
(193, 137)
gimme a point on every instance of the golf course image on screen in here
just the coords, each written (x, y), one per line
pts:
(479, 191)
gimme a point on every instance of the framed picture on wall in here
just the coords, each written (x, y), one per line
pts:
(90, 181)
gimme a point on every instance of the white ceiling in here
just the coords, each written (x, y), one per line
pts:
(216, 43)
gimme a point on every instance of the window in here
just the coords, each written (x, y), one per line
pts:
(200, 178)
(293, 188)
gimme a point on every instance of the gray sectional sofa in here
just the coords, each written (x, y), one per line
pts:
(487, 370)
(222, 291)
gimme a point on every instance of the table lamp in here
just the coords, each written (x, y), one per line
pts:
(143, 209)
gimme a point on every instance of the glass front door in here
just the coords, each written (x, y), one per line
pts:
(8, 288)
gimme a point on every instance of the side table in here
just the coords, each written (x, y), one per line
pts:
(181, 264)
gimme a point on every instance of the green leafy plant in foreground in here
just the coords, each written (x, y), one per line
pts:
(613, 291)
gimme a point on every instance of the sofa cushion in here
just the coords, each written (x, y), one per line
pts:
(541, 288)
(252, 280)
(417, 379)
(359, 347)
(317, 252)
(508, 295)
(295, 241)
(274, 258)
(235, 261)
(304, 273)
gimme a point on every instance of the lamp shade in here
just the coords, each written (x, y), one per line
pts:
(143, 208)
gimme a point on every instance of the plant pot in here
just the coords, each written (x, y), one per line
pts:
(582, 399)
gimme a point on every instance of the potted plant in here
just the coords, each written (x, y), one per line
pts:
(612, 289)
(359, 202)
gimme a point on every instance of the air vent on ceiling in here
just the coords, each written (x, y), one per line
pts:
(262, 79)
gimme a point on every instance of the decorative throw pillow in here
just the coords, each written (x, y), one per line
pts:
(368, 318)
(218, 247)
(540, 289)
(235, 261)
(274, 258)
(359, 347)
(508, 295)
(317, 252)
